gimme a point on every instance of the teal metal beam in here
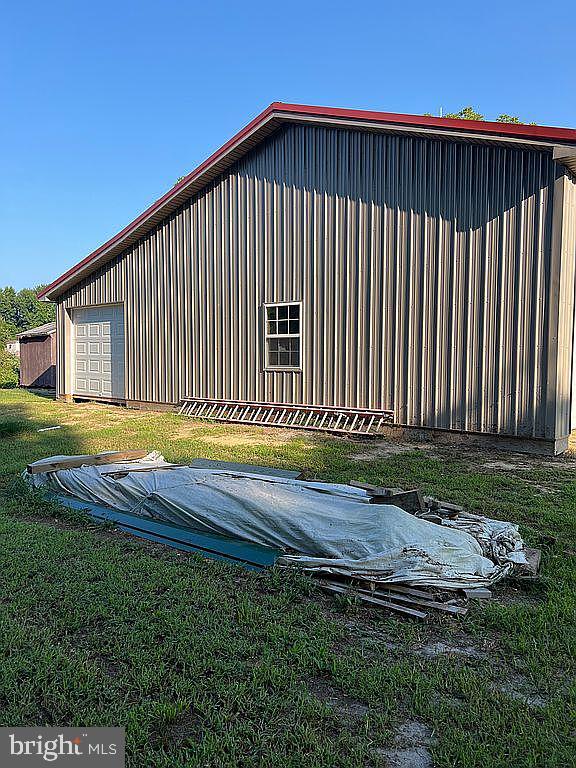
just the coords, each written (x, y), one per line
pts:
(213, 546)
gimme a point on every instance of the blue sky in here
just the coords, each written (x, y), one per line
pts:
(104, 105)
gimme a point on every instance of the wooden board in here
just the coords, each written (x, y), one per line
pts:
(88, 460)
(424, 602)
(478, 593)
(533, 556)
(373, 600)
(410, 501)
(394, 587)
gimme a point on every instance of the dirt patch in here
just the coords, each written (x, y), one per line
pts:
(507, 466)
(439, 648)
(183, 431)
(544, 489)
(410, 748)
(515, 462)
(560, 463)
(520, 689)
(111, 668)
(442, 699)
(80, 414)
(384, 450)
(234, 440)
(344, 705)
(187, 727)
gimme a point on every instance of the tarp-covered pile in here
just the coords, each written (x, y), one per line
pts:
(317, 526)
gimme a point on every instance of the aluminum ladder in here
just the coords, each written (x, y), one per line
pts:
(349, 421)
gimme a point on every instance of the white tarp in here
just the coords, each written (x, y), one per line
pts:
(318, 526)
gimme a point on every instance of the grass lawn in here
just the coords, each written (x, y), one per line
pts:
(206, 664)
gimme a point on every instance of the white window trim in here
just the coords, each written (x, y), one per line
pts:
(280, 368)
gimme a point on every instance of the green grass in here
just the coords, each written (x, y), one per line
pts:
(206, 664)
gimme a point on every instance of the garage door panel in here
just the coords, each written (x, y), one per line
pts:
(99, 359)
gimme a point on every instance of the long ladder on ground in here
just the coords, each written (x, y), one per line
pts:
(350, 421)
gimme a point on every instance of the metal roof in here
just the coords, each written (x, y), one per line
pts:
(41, 330)
(560, 141)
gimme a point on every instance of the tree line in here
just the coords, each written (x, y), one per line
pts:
(21, 310)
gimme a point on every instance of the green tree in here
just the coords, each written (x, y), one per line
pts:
(22, 308)
(470, 113)
(8, 332)
(8, 363)
(466, 113)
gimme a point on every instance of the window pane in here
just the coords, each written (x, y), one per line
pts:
(282, 349)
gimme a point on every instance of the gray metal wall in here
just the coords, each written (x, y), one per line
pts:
(423, 266)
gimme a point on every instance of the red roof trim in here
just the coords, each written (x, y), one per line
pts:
(424, 121)
(391, 118)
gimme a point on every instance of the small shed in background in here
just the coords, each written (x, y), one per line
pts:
(38, 356)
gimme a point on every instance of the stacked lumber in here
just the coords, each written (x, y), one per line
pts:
(394, 597)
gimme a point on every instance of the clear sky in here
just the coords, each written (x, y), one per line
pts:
(104, 105)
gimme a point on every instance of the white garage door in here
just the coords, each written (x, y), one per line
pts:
(99, 351)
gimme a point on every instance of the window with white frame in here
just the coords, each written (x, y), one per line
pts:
(282, 335)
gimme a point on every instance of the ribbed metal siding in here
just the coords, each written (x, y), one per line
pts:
(566, 417)
(422, 265)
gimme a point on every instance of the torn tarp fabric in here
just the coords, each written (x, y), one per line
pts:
(317, 526)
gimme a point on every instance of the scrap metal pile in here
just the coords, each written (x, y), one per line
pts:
(382, 545)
